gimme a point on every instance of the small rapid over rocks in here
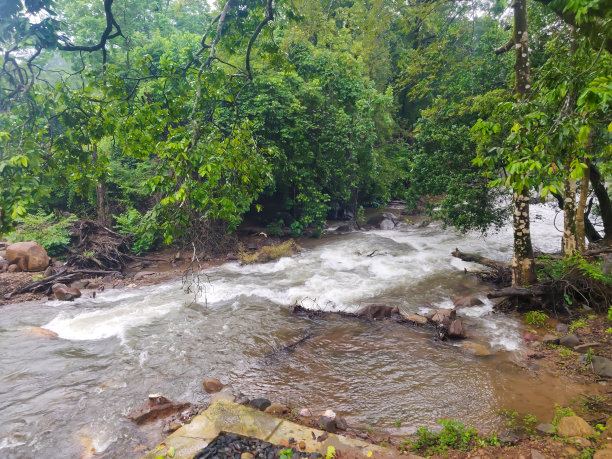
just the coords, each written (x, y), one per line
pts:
(113, 350)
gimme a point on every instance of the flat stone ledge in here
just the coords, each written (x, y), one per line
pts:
(225, 416)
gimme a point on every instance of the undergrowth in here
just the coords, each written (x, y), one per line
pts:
(49, 230)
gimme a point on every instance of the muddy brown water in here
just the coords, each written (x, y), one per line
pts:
(60, 397)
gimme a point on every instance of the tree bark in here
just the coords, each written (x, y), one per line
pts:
(580, 220)
(604, 201)
(569, 242)
(103, 216)
(523, 264)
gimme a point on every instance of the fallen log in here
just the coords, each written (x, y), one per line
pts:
(501, 272)
(64, 276)
(538, 290)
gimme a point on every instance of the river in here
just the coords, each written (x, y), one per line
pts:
(56, 396)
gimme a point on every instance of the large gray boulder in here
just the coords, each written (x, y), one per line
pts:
(599, 365)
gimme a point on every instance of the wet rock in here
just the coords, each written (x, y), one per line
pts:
(80, 284)
(599, 365)
(173, 427)
(508, 437)
(535, 454)
(341, 423)
(444, 316)
(562, 328)
(475, 348)
(456, 330)
(327, 424)
(143, 274)
(40, 332)
(329, 414)
(603, 454)
(569, 341)
(260, 403)
(386, 224)
(550, 339)
(13, 269)
(583, 348)
(416, 318)
(467, 301)
(529, 337)
(212, 385)
(545, 429)
(29, 256)
(276, 409)
(214, 398)
(574, 426)
(375, 311)
(305, 413)
(242, 399)
(157, 407)
(582, 442)
(66, 293)
(344, 229)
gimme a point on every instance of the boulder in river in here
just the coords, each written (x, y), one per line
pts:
(569, 341)
(29, 256)
(40, 332)
(386, 224)
(456, 330)
(260, 403)
(444, 316)
(67, 293)
(467, 301)
(157, 407)
(376, 312)
(212, 385)
(416, 318)
(327, 424)
(574, 426)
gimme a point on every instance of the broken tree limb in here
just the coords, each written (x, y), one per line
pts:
(474, 258)
(64, 276)
(538, 290)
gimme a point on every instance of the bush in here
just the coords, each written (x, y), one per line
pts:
(536, 318)
(49, 230)
(270, 252)
(142, 230)
(454, 435)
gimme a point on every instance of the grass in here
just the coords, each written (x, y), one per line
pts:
(269, 253)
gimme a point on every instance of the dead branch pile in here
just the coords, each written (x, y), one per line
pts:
(64, 276)
(97, 247)
(575, 287)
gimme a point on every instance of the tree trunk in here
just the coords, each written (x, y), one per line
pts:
(584, 192)
(604, 201)
(103, 216)
(569, 243)
(523, 264)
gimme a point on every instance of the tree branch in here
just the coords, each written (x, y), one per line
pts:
(507, 47)
(269, 17)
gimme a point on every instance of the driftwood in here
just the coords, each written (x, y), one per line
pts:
(537, 290)
(500, 273)
(63, 276)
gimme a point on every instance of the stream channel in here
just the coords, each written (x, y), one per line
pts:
(59, 396)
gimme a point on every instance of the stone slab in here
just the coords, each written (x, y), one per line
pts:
(225, 416)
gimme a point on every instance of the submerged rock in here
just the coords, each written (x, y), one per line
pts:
(574, 426)
(475, 348)
(157, 407)
(40, 332)
(375, 311)
(467, 301)
(212, 385)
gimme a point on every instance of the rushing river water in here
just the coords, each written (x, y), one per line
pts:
(116, 349)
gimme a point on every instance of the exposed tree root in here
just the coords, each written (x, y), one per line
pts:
(500, 273)
(97, 247)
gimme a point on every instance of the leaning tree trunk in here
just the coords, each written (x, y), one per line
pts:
(103, 216)
(569, 242)
(604, 202)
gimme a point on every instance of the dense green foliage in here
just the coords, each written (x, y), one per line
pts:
(168, 120)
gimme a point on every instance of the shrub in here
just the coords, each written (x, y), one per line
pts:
(453, 435)
(142, 230)
(536, 318)
(50, 231)
(560, 413)
(270, 252)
